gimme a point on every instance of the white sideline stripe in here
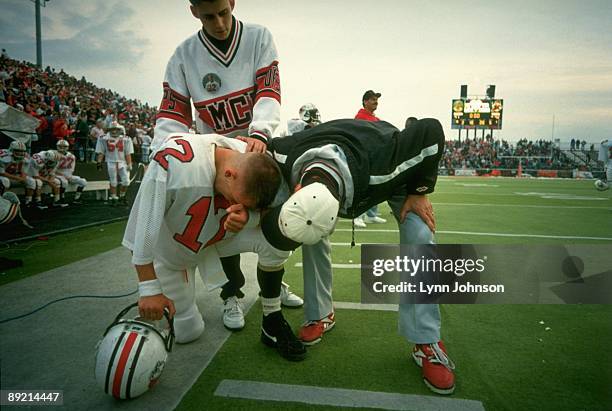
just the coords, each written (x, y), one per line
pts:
(564, 237)
(360, 306)
(518, 206)
(411, 162)
(340, 397)
(335, 265)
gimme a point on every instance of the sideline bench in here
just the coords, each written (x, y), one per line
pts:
(100, 187)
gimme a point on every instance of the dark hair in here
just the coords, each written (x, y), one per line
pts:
(264, 180)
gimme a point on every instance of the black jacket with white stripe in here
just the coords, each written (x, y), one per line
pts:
(383, 160)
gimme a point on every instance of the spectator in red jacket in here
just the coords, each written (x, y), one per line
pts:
(369, 101)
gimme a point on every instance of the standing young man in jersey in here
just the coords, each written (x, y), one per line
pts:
(229, 69)
(117, 150)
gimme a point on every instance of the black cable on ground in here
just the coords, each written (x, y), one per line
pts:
(63, 299)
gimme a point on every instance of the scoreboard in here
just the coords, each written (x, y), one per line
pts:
(477, 114)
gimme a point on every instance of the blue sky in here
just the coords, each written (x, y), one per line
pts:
(546, 58)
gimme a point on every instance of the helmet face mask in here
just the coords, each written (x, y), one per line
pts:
(116, 130)
(310, 114)
(62, 146)
(131, 355)
(18, 150)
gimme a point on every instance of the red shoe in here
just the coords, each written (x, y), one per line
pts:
(437, 367)
(312, 331)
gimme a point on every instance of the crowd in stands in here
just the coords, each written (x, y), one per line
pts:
(488, 153)
(80, 112)
(71, 109)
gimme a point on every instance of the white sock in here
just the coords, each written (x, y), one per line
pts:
(270, 305)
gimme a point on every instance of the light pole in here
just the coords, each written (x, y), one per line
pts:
(38, 32)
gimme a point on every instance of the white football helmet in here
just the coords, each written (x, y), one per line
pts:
(17, 149)
(131, 355)
(116, 130)
(52, 157)
(602, 185)
(62, 146)
(9, 207)
(309, 113)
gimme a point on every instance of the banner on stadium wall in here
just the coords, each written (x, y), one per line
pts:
(564, 173)
(582, 174)
(547, 173)
(465, 172)
(17, 124)
(443, 172)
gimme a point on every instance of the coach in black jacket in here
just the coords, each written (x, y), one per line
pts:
(365, 163)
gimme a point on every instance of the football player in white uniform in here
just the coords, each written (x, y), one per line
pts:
(13, 164)
(42, 167)
(229, 71)
(65, 172)
(117, 149)
(197, 188)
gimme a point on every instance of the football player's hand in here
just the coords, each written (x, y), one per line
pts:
(237, 217)
(421, 206)
(253, 144)
(152, 307)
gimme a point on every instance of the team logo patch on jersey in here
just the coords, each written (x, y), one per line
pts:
(421, 189)
(211, 82)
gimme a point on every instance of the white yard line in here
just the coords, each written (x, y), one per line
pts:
(335, 265)
(340, 397)
(562, 237)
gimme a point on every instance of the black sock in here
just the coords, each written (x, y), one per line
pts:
(231, 267)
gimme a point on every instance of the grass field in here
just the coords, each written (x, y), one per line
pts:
(505, 357)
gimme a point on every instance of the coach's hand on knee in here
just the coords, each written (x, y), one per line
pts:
(152, 307)
(421, 206)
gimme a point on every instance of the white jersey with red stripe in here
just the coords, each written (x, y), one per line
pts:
(234, 93)
(9, 165)
(66, 165)
(114, 149)
(176, 215)
(42, 164)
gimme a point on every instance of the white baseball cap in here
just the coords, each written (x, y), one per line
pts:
(309, 215)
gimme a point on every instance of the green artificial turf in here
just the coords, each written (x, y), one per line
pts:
(505, 357)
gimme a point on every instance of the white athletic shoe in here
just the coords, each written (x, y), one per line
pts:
(233, 317)
(359, 223)
(289, 299)
(374, 220)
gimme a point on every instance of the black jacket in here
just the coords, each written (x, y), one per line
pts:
(383, 160)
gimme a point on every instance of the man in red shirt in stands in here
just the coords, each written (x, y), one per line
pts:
(370, 104)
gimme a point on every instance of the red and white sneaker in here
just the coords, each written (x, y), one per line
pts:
(312, 331)
(437, 367)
